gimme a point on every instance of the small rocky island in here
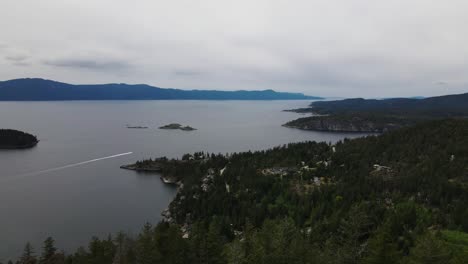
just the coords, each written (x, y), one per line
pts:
(137, 127)
(14, 139)
(178, 126)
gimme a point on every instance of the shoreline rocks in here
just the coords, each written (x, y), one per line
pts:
(134, 167)
(346, 124)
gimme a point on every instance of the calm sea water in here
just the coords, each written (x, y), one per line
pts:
(97, 198)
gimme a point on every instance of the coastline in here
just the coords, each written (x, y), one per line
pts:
(133, 167)
(28, 146)
(167, 180)
(335, 131)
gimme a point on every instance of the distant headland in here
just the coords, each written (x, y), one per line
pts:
(35, 89)
(14, 139)
(376, 116)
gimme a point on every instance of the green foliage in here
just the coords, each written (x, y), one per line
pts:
(278, 241)
(206, 243)
(28, 256)
(146, 247)
(50, 254)
(430, 249)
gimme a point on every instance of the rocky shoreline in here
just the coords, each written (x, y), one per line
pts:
(166, 215)
(348, 124)
(135, 167)
(31, 145)
(155, 169)
(344, 127)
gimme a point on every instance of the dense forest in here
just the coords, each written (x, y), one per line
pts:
(12, 139)
(371, 115)
(399, 197)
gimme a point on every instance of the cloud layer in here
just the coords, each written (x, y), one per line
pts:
(331, 48)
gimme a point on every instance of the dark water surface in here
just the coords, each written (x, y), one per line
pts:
(97, 198)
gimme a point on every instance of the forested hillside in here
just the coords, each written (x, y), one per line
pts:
(371, 115)
(447, 105)
(395, 198)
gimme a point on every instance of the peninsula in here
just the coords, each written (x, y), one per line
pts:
(372, 115)
(171, 171)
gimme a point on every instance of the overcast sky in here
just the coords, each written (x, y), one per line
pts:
(366, 48)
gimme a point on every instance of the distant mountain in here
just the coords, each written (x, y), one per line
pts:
(371, 115)
(47, 90)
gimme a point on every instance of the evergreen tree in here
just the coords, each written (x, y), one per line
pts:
(146, 248)
(101, 251)
(48, 252)
(123, 252)
(382, 249)
(430, 250)
(28, 255)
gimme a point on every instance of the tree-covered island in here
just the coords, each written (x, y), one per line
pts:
(14, 139)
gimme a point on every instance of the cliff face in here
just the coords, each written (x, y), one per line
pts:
(344, 124)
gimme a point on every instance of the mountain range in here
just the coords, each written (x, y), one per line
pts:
(35, 89)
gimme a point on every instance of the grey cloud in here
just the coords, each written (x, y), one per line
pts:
(21, 63)
(336, 48)
(186, 72)
(17, 58)
(88, 64)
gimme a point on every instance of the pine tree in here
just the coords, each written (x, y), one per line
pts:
(28, 255)
(429, 249)
(101, 251)
(48, 252)
(146, 249)
(121, 254)
(382, 250)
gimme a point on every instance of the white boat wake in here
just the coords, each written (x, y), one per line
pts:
(66, 166)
